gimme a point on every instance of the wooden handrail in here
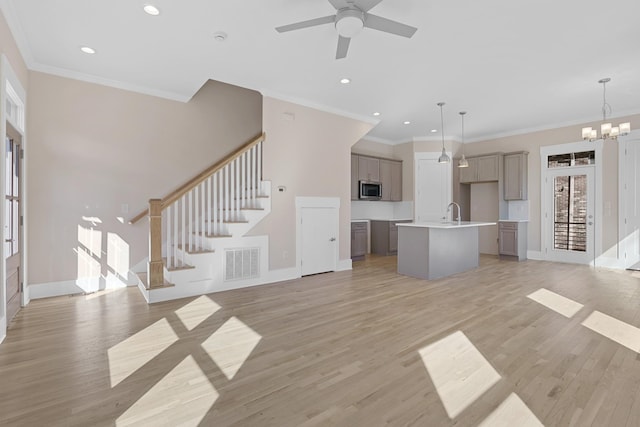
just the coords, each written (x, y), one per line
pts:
(202, 176)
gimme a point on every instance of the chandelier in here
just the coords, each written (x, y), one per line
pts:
(606, 130)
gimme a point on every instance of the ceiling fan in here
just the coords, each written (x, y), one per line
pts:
(351, 17)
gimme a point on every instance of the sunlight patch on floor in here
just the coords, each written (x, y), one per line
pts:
(562, 305)
(614, 329)
(231, 345)
(459, 372)
(183, 397)
(131, 354)
(512, 412)
(196, 312)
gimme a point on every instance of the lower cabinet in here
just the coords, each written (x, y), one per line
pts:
(384, 236)
(512, 237)
(358, 240)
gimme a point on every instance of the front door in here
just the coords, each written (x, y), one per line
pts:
(570, 215)
(319, 240)
(12, 233)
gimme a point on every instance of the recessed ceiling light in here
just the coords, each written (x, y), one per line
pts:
(407, 122)
(220, 36)
(434, 130)
(376, 114)
(151, 10)
(345, 81)
(88, 50)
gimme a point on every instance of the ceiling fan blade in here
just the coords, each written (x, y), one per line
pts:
(306, 24)
(339, 4)
(388, 26)
(366, 5)
(343, 47)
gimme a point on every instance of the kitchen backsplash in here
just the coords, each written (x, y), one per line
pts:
(381, 210)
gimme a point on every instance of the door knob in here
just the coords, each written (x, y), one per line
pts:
(590, 223)
(333, 239)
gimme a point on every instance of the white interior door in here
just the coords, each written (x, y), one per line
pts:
(319, 240)
(630, 203)
(570, 215)
(432, 188)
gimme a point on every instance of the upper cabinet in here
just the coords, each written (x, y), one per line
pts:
(391, 179)
(388, 172)
(481, 169)
(515, 176)
(368, 169)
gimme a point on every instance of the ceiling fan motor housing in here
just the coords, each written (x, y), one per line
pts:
(349, 21)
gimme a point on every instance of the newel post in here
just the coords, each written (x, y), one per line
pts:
(155, 276)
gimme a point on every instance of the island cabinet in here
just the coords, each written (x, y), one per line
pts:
(358, 240)
(515, 176)
(481, 169)
(384, 236)
(512, 238)
(391, 180)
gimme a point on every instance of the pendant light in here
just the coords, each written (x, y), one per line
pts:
(463, 163)
(606, 130)
(444, 158)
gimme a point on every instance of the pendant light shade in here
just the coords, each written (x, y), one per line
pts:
(607, 131)
(463, 163)
(444, 158)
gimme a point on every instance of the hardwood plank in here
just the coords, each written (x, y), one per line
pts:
(336, 349)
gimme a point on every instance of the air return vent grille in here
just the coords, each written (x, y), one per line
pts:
(241, 263)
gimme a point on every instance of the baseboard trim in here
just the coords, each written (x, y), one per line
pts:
(535, 255)
(54, 289)
(344, 265)
(3, 328)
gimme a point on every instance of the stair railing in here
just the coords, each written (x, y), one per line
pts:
(201, 207)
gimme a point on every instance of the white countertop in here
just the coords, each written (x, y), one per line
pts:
(359, 220)
(513, 220)
(382, 219)
(435, 224)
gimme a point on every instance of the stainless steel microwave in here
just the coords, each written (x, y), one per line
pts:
(370, 190)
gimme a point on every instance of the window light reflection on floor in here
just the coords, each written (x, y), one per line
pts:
(231, 345)
(196, 312)
(512, 412)
(562, 305)
(459, 372)
(131, 354)
(183, 397)
(614, 329)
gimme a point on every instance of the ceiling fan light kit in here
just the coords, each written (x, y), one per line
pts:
(350, 19)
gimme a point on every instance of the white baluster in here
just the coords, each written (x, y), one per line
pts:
(196, 218)
(203, 217)
(232, 189)
(183, 230)
(189, 208)
(174, 206)
(169, 234)
(210, 203)
(216, 205)
(259, 177)
(226, 193)
(244, 179)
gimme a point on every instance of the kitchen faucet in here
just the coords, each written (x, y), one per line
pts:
(449, 208)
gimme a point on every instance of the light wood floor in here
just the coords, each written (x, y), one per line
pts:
(338, 349)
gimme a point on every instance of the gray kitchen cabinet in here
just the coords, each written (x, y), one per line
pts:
(358, 240)
(384, 236)
(355, 190)
(391, 180)
(515, 176)
(481, 169)
(368, 169)
(512, 238)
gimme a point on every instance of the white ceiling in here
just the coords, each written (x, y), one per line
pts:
(513, 65)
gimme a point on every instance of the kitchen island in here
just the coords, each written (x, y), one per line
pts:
(431, 250)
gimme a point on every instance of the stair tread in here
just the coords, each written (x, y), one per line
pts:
(197, 251)
(212, 235)
(231, 221)
(243, 209)
(143, 278)
(179, 266)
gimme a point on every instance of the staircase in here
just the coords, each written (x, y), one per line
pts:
(197, 241)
